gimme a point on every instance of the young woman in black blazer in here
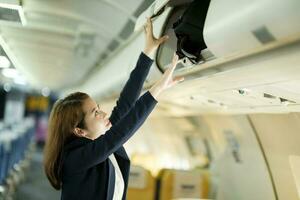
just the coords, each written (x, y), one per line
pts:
(84, 154)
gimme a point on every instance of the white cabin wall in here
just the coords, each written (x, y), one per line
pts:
(279, 135)
(246, 179)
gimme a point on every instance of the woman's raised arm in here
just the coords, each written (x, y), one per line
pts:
(132, 89)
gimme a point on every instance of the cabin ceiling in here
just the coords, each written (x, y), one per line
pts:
(63, 40)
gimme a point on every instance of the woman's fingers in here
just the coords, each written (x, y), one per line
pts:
(179, 79)
(175, 58)
(163, 39)
(174, 61)
(149, 31)
(148, 26)
(175, 81)
(149, 23)
(171, 68)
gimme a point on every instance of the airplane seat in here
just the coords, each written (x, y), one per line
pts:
(5, 141)
(176, 184)
(15, 150)
(141, 184)
(2, 168)
(1, 161)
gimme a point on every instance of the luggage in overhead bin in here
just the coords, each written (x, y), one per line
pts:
(189, 31)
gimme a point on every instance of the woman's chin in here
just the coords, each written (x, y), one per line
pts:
(108, 126)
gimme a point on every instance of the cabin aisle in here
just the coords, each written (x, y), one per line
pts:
(36, 185)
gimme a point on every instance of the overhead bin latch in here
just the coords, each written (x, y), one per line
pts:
(156, 8)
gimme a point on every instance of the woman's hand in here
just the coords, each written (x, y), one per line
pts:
(151, 42)
(167, 80)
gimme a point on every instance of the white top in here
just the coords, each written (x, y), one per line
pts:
(119, 182)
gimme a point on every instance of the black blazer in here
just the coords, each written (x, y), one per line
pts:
(87, 173)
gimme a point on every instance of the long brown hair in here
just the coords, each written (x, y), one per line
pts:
(65, 116)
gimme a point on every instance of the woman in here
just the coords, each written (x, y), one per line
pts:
(84, 154)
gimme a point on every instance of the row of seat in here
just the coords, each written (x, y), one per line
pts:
(16, 147)
(169, 184)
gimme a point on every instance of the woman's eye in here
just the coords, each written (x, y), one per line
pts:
(97, 112)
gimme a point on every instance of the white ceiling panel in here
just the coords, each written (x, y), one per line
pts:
(65, 37)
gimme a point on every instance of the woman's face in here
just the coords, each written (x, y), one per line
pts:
(96, 122)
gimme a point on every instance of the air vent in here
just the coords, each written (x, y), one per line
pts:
(85, 40)
(12, 12)
(282, 100)
(269, 96)
(286, 101)
(211, 101)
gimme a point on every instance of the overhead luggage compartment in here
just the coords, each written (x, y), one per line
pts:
(250, 51)
(234, 26)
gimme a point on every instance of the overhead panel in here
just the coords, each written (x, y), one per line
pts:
(247, 25)
(12, 11)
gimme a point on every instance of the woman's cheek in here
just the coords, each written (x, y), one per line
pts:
(102, 125)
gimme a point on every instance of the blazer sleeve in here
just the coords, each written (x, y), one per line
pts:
(99, 149)
(132, 89)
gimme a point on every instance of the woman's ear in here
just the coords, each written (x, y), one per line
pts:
(79, 132)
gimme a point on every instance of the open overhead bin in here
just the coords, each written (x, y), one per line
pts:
(247, 47)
